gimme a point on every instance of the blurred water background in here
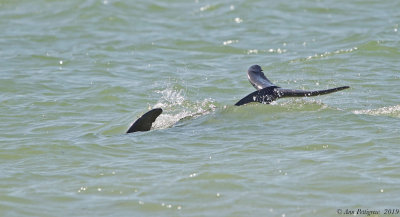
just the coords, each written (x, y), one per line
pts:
(75, 74)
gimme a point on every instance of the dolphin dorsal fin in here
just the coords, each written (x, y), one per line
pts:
(257, 78)
(145, 122)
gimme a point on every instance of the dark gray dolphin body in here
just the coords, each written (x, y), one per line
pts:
(145, 121)
(266, 92)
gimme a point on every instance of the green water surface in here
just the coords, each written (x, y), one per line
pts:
(75, 74)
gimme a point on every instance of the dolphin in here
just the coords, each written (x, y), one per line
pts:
(267, 92)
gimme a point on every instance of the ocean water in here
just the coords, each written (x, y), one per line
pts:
(75, 74)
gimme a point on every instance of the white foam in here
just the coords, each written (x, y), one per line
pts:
(176, 107)
(389, 110)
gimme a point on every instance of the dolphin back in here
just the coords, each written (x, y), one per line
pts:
(270, 94)
(304, 93)
(266, 96)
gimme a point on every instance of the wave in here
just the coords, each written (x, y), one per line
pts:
(393, 111)
(326, 54)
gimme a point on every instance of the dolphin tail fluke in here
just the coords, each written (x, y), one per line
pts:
(304, 93)
(144, 123)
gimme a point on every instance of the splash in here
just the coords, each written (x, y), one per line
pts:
(393, 111)
(176, 107)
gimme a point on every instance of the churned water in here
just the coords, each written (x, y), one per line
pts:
(75, 74)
